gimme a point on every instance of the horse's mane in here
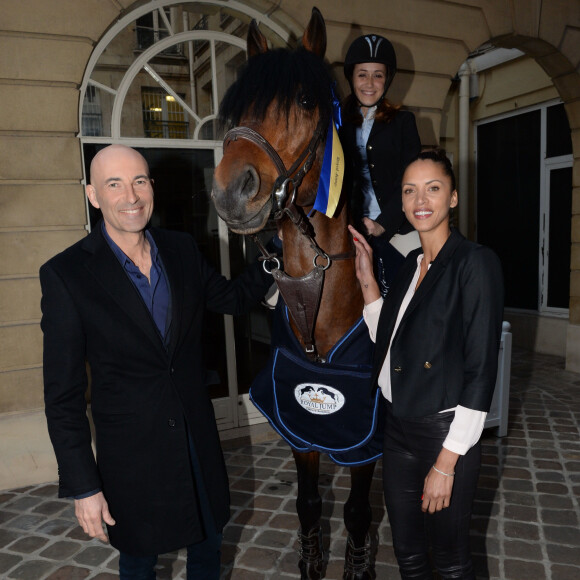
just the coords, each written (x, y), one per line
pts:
(278, 75)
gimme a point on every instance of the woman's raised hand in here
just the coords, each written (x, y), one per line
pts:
(364, 267)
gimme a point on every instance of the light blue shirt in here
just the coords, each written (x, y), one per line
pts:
(371, 208)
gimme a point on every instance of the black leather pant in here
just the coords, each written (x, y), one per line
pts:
(411, 447)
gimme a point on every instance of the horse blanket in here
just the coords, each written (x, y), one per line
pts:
(322, 406)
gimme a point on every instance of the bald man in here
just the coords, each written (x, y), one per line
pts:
(129, 300)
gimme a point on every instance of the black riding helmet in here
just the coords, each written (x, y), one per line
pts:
(371, 48)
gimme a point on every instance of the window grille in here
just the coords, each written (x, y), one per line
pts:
(92, 118)
(225, 19)
(163, 117)
(202, 24)
(150, 29)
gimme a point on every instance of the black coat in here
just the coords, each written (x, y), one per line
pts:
(390, 147)
(445, 350)
(144, 397)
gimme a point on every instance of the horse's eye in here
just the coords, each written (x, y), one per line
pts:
(306, 101)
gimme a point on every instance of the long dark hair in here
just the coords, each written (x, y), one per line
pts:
(351, 111)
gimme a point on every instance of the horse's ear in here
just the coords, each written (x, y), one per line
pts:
(314, 38)
(257, 42)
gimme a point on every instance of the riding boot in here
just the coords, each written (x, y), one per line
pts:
(311, 554)
(357, 561)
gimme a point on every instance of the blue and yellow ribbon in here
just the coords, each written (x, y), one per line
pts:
(331, 175)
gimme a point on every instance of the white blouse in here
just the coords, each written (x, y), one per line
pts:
(467, 425)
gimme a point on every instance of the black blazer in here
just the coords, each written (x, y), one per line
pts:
(445, 350)
(145, 397)
(390, 147)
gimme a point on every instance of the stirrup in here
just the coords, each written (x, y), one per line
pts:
(311, 562)
(357, 561)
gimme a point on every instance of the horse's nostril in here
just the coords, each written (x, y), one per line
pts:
(250, 183)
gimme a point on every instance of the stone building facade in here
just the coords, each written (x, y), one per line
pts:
(64, 63)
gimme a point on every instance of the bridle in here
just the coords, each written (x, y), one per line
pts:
(286, 177)
(301, 295)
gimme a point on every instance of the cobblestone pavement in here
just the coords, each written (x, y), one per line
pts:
(525, 527)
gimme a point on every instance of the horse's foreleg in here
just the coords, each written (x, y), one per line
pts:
(308, 502)
(357, 509)
(309, 509)
(357, 520)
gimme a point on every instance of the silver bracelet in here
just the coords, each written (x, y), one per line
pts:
(443, 473)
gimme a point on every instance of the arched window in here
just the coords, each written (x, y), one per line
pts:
(185, 53)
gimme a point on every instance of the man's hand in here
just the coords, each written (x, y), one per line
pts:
(91, 512)
(373, 228)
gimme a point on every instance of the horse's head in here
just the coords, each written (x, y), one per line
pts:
(277, 112)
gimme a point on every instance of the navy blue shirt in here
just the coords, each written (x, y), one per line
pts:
(155, 294)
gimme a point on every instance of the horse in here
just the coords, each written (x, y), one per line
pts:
(278, 113)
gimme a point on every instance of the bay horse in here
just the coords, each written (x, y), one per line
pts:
(278, 113)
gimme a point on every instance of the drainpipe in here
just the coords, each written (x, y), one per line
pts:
(463, 161)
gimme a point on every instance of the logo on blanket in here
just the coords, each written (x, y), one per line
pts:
(319, 399)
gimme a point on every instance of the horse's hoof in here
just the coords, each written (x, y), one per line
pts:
(311, 562)
(310, 571)
(357, 561)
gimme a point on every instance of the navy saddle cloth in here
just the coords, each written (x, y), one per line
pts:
(326, 407)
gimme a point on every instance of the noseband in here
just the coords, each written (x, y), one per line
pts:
(286, 177)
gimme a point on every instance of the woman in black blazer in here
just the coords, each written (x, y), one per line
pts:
(379, 139)
(437, 336)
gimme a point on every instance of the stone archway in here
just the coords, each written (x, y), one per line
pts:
(566, 80)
